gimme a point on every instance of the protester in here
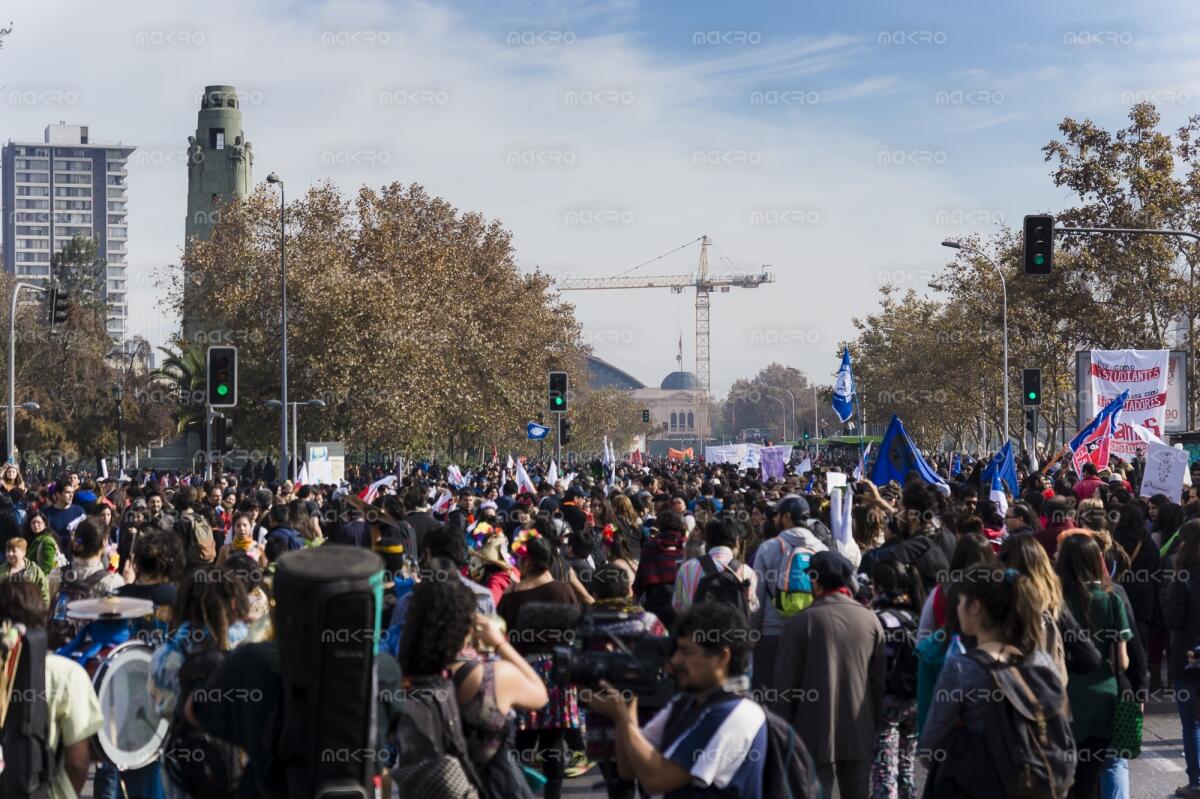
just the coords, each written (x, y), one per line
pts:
(830, 684)
(720, 537)
(657, 570)
(1181, 614)
(20, 569)
(73, 708)
(541, 731)
(1088, 592)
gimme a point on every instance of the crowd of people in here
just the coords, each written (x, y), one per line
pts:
(886, 647)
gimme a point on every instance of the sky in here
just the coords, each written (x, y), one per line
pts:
(835, 143)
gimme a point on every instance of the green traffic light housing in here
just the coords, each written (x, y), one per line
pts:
(221, 377)
(1031, 382)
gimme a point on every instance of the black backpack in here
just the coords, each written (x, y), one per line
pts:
(900, 644)
(1028, 751)
(788, 770)
(722, 584)
(60, 630)
(202, 764)
(433, 758)
(28, 761)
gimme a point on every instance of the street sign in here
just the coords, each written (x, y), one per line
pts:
(536, 432)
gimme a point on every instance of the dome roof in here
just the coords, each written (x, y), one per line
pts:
(680, 381)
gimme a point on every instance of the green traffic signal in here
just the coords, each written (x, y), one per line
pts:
(1033, 395)
(1039, 259)
(222, 389)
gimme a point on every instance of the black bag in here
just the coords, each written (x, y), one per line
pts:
(788, 770)
(60, 631)
(900, 644)
(433, 759)
(328, 601)
(1028, 751)
(723, 585)
(28, 761)
(200, 763)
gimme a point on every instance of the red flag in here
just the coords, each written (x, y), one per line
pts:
(1094, 448)
(636, 457)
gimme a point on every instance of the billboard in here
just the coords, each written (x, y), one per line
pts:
(1175, 415)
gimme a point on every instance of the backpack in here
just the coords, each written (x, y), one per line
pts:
(900, 644)
(61, 631)
(201, 764)
(788, 769)
(794, 586)
(1028, 751)
(28, 763)
(722, 584)
(433, 758)
(198, 542)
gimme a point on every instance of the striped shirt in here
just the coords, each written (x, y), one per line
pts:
(723, 750)
(691, 572)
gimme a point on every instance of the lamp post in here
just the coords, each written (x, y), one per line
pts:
(118, 394)
(11, 439)
(954, 245)
(316, 403)
(283, 315)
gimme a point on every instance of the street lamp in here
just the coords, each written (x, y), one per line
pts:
(11, 438)
(118, 394)
(954, 245)
(315, 403)
(283, 358)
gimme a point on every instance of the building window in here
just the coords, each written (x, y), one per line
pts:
(216, 138)
(674, 420)
(691, 421)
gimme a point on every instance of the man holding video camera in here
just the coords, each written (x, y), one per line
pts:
(709, 741)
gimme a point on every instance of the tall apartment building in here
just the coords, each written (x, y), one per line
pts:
(64, 186)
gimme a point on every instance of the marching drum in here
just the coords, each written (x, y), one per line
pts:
(133, 735)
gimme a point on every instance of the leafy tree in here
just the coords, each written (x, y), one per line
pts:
(409, 318)
(79, 272)
(182, 378)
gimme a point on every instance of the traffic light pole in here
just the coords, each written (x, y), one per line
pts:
(11, 439)
(558, 420)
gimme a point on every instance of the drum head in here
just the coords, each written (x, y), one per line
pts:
(133, 735)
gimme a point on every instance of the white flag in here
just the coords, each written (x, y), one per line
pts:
(523, 482)
(552, 473)
(804, 466)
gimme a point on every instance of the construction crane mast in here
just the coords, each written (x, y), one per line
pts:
(705, 284)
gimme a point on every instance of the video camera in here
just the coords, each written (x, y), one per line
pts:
(596, 653)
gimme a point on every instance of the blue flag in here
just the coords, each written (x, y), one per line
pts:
(843, 389)
(898, 456)
(1005, 465)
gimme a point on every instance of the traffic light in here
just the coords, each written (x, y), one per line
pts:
(565, 431)
(220, 435)
(558, 391)
(56, 313)
(1031, 387)
(806, 434)
(1031, 420)
(222, 377)
(1039, 244)
(645, 417)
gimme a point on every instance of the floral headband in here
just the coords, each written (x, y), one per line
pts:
(520, 545)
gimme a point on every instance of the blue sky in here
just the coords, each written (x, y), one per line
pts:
(837, 142)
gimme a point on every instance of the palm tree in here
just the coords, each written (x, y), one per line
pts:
(183, 373)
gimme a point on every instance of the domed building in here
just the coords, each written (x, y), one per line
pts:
(675, 406)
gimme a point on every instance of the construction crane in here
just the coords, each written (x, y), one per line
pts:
(705, 284)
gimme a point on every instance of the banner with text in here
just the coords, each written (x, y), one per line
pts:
(1143, 373)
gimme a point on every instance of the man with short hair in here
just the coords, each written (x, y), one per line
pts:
(62, 513)
(709, 741)
(830, 684)
(1086, 488)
